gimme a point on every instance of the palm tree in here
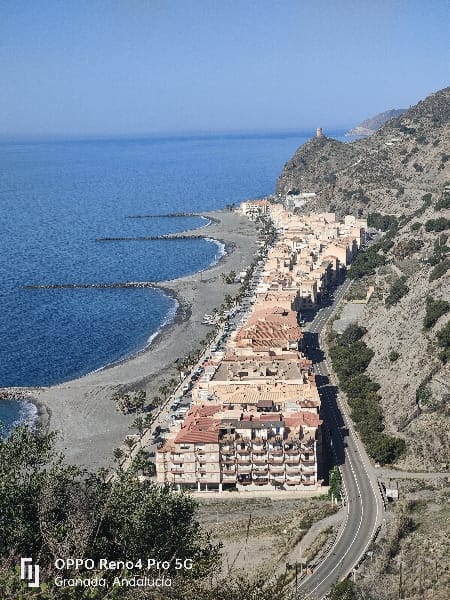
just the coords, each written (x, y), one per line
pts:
(118, 454)
(139, 424)
(164, 390)
(139, 400)
(129, 443)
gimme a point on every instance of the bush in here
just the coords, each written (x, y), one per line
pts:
(440, 270)
(416, 226)
(397, 291)
(443, 202)
(434, 310)
(385, 448)
(406, 248)
(359, 386)
(343, 590)
(423, 393)
(379, 221)
(351, 360)
(439, 224)
(443, 337)
(352, 334)
(393, 356)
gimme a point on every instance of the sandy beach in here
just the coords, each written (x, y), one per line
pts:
(82, 411)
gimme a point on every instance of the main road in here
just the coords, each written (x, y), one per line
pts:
(363, 500)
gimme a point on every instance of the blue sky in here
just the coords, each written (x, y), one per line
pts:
(153, 66)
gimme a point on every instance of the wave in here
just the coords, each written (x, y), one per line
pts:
(168, 320)
(221, 250)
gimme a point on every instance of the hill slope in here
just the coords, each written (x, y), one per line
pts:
(369, 126)
(404, 170)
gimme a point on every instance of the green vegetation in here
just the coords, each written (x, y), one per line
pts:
(406, 248)
(423, 393)
(416, 226)
(440, 269)
(440, 249)
(439, 224)
(343, 590)
(443, 337)
(393, 356)
(379, 221)
(334, 490)
(397, 291)
(50, 510)
(434, 310)
(443, 202)
(350, 357)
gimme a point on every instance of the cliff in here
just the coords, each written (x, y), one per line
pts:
(369, 126)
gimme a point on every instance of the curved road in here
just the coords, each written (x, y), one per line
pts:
(363, 499)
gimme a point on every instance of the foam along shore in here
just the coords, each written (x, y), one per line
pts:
(82, 411)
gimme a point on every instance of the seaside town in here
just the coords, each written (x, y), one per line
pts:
(253, 415)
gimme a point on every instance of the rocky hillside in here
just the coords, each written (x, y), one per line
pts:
(402, 170)
(389, 171)
(369, 126)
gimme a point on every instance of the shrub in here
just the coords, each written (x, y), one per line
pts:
(385, 448)
(359, 386)
(439, 224)
(393, 356)
(443, 202)
(351, 360)
(416, 226)
(423, 393)
(440, 269)
(443, 337)
(434, 310)
(406, 248)
(380, 221)
(397, 291)
(351, 334)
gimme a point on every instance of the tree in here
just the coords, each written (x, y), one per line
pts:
(343, 590)
(435, 309)
(52, 510)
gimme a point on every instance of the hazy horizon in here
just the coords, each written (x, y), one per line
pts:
(107, 68)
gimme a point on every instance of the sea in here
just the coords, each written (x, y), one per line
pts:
(58, 196)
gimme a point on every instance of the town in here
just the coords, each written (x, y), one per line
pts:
(254, 418)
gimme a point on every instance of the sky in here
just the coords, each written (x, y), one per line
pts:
(107, 67)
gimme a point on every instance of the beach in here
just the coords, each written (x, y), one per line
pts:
(81, 411)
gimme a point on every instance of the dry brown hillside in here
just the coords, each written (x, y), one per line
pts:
(402, 170)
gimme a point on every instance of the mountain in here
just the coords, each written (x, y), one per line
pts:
(389, 171)
(403, 170)
(371, 125)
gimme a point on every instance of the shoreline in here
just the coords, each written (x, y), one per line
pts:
(81, 409)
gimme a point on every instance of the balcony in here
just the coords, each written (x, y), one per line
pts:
(227, 477)
(245, 450)
(228, 471)
(277, 452)
(177, 471)
(276, 461)
(293, 480)
(259, 450)
(291, 451)
(227, 450)
(259, 460)
(276, 468)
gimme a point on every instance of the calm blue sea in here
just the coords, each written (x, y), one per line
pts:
(57, 197)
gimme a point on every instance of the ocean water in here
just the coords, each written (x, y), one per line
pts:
(57, 197)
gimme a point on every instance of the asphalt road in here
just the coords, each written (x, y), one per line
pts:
(362, 497)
